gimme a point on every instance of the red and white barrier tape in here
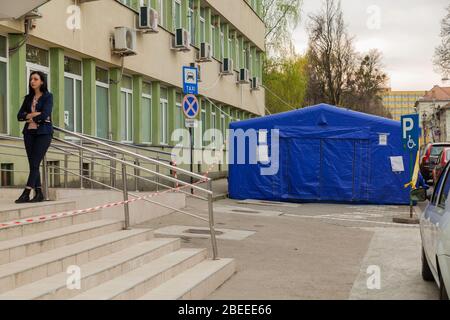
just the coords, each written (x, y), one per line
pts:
(50, 217)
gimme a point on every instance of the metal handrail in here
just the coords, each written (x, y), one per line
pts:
(123, 151)
(107, 150)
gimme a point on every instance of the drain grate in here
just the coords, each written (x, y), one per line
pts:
(245, 211)
(201, 231)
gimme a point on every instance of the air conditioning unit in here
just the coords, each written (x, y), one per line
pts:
(148, 19)
(244, 76)
(227, 66)
(199, 71)
(205, 54)
(124, 41)
(181, 40)
(255, 83)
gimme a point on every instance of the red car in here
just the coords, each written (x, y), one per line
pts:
(429, 158)
(444, 157)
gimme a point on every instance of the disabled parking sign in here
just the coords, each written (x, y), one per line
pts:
(410, 132)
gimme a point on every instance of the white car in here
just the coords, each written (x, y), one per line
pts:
(435, 232)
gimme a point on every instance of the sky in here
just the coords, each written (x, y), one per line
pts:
(405, 31)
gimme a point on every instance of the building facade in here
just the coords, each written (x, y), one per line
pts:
(400, 103)
(433, 110)
(139, 103)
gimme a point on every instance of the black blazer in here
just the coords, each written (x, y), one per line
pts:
(45, 107)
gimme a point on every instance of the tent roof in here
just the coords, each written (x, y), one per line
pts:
(321, 114)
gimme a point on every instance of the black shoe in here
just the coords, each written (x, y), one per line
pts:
(38, 196)
(25, 197)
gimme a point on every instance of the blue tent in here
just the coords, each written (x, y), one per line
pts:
(326, 154)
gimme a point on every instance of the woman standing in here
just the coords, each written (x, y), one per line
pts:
(36, 110)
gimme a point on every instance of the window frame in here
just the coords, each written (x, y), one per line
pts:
(436, 198)
(127, 92)
(164, 116)
(6, 61)
(150, 97)
(106, 86)
(75, 78)
(30, 66)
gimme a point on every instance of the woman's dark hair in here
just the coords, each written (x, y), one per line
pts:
(44, 86)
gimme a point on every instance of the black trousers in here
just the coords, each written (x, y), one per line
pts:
(36, 147)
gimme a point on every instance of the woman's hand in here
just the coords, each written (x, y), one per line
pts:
(32, 115)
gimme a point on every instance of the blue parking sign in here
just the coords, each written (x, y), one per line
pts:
(410, 132)
(190, 80)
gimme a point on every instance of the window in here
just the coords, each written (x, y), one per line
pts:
(37, 60)
(202, 25)
(445, 191)
(102, 103)
(54, 174)
(213, 126)
(238, 55)
(203, 125)
(191, 20)
(126, 109)
(223, 126)
(177, 14)
(3, 86)
(222, 43)
(73, 117)
(163, 116)
(162, 19)
(437, 188)
(179, 116)
(213, 41)
(7, 174)
(37, 56)
(146, 112)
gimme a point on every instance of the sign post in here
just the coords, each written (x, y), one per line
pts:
(410, 140)
(191, 107)
(191, 110)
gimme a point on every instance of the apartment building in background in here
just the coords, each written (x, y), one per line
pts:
(72, 44)
(400, 103)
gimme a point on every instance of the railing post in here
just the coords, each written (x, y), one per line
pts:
(92, 173)
(137, 173)
(81, 165)
(66, 167)
(211, 222)
(157, 171)
(45, 178)
(113, 171)
(125, 197)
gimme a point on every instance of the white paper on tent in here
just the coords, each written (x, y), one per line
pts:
(397, 164)
(263, 154)
(383, 139)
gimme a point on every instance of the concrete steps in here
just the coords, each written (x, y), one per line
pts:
(19, 248)
(196, 283)
(37, 246)
(136, 283)
(10, 211)
(95, 272)
(27, 229)
(36, 267)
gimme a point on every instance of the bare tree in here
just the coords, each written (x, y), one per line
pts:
(280, 17)
(337, 74)
(330, 53)
(442, 56)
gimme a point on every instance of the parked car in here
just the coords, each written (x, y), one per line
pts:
(441, 161)
(435, 233)
(429, 158)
